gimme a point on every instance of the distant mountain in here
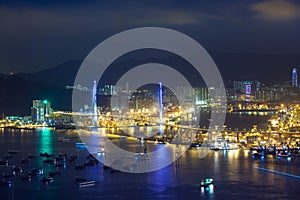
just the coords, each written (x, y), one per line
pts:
(60, 75)
(16, 95)
(267, 68)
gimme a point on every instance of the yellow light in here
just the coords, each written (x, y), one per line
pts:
(274, 122)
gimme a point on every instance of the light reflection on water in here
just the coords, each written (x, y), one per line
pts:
(45, 138)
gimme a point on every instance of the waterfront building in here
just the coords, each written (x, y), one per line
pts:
(40, 110)
(13, 118)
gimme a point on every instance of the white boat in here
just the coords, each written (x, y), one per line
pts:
(206, 182)
(101, 151)
(123, 137)
(87, 184)
(63, 139)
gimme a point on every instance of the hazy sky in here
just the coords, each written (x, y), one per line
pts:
(37, 34)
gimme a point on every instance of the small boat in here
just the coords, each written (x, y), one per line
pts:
(253, 148)
(54, 173)
(4, 162)
(81, 145)
(271, 150)
(63, 139)
(12, 151)
(258, 154)
(206, 182)
(45, 155)
(195, 145)
(87, 184)
(101, 151)
(123, 137)
(17, 169)
(160, 141)
(49, 161)
(36, 172)
(47, 180)
(215, 148)
(283, 154)
(31, 156)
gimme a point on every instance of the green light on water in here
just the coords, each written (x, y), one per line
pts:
(46, 141)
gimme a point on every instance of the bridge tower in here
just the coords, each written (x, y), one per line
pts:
(94, 104)
(160, 104)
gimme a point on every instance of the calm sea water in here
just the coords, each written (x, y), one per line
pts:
(234, 172)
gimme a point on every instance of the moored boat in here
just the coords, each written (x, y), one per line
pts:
(87, 184)
(284, 154)
(13, 151)
(206, 182)
(47, 180)
(257, 153)
(195, 145)
(63, 139)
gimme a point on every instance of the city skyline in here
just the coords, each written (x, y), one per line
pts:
(60, 95)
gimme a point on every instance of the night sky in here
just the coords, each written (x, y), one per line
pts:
(39, 34)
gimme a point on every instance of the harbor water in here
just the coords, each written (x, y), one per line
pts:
(236, 174)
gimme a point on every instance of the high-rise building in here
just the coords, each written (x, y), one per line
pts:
(202, 96)
(108, 90)
(40, 110)
(246, 89)
(294, 78)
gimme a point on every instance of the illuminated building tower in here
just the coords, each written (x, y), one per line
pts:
(94, 103)
(40, 110)
(294, 78)
(245, 89)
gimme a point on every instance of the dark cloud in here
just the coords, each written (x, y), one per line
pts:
(276, 10)
(36, 34)
(44, 3)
